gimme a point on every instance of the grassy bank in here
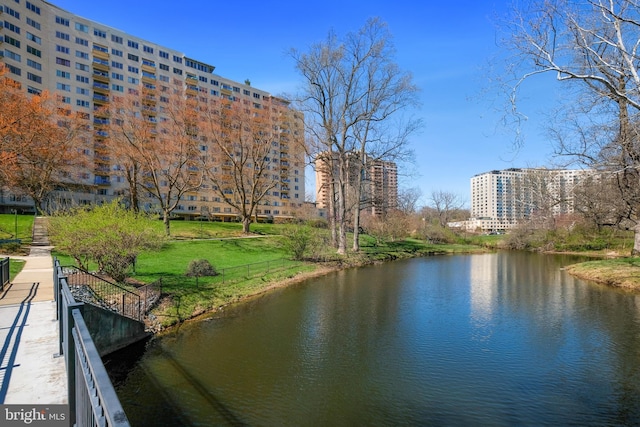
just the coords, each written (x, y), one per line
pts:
(620, 272)
(248, 266)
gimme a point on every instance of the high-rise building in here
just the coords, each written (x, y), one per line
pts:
(379, 182)
(502, 198)
(87, 63)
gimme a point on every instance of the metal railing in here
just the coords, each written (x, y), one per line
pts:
(248, 271)
(92, 399)
(4, 273)
(95, 290)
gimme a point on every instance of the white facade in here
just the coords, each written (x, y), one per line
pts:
(502, 198)
(87, 63)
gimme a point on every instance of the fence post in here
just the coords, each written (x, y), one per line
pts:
(70, 357)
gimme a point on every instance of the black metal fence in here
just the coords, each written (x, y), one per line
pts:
(4, 273)
(96, 290)
(248, 271)
(92, 399)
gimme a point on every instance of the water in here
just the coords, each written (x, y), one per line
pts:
(493, 339)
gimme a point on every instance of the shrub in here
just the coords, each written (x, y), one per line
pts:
(199, 268)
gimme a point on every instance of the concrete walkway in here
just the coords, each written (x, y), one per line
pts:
(30, 371)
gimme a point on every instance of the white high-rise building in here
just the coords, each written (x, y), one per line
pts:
(502, 198)
(87, 63)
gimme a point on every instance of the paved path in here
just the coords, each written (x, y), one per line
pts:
(30, 371)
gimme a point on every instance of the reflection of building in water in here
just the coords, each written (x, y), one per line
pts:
(484, 282)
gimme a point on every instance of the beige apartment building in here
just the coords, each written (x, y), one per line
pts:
(380, 183)
(500, 199)
(87, 63)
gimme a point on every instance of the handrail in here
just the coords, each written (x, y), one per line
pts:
(4, 272)
(92, 398)
(98, 401)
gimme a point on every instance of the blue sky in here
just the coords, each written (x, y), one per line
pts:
(445, 45)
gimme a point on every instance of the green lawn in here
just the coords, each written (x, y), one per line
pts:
(247, 265)
(15, 266)
(16, 227)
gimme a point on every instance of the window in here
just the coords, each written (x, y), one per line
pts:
(148, 62)
(82, 79)
(62, 61)
(163, 54)
(116, 39)
(12, 55)
(132, 44)
(245, 92)
(11, 27)
(177, 71)
(14, 70)
(82, 27)
(33, 23)
(100, 48)
(33, 8)
(34, 78)
(62, 21)
(177, 59)
(63, 86)
(83, 55)
(117, 88)
(132, 57)
(82, 91)
(12, 12)
(215, 82)
(81, 41)
(34, 51)
(116, 52)
(164, 67)
(164, 79)
(62, 49)
(12, 41)
(133, 80)
(147, 49)
(117, 76)
(61, 35)
(63, 74)
(34, 64)
(83, 103)
(117, 65)
(99, 33)
(134, 70)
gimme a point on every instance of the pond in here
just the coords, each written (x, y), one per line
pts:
(488, 339)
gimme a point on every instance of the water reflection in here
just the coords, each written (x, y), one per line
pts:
(492, 339)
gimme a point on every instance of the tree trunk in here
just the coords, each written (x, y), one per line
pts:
(246, 224)
(331, 214)
(167, 224)
(636, 241)
(342, 209)
(357, 209)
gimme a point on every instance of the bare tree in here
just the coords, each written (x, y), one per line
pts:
(245, 169)
(164, 147)
(592, 47)
(42, 143)
(408, 199)
(445, 203)
(352, 91)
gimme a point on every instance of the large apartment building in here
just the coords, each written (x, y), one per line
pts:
(500, 199)
(379, 183)
(87, 63)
